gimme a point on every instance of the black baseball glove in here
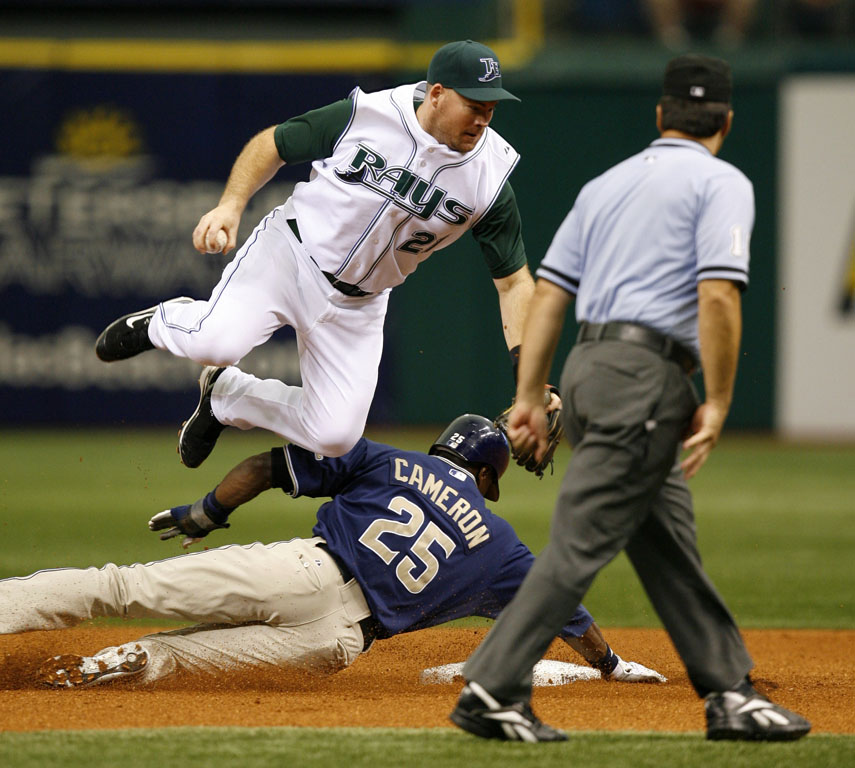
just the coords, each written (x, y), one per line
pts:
(554, 435)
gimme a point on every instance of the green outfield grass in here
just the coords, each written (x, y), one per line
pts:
(376, 748)
(775, 520)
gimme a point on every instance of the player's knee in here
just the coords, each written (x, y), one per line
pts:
(336, 440)
(217, 347)
(334, 448)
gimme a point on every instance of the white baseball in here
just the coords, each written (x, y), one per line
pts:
(220, 241)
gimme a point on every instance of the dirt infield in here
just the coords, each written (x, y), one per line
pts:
(805, 670)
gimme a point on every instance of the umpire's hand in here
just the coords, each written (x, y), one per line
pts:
(704, 431)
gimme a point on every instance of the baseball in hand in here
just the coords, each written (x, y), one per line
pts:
(216, 243)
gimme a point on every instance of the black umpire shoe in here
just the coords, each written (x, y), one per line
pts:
(743, 714)
(199, 433)
(128, 336)
(482, 715)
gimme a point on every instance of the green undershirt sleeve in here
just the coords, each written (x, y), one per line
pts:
(313, 135)
(499, 234)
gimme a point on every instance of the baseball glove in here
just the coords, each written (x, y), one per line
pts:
(554, 435)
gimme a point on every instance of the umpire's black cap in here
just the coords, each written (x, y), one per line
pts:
(698, 78)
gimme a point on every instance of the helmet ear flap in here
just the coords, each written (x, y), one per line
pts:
(492, 491)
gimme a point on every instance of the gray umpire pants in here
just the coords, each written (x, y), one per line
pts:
(625, 411)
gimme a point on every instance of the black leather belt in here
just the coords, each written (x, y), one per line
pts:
(641, 335)
(346, 288)
(371, 628)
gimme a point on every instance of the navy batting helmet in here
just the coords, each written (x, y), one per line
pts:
(476, 440)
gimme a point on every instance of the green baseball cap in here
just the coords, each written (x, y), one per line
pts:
(471, 69)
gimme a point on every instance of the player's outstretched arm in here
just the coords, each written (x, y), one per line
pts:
(257, 163)
(592, 647)
(197, 520)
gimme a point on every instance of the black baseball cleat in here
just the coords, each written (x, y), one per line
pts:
(743, 714)
(482, 715)
(128, 336)
(199, 433)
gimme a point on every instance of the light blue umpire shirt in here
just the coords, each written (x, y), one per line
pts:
(642, 235)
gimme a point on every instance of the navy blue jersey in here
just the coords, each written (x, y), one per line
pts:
(415, 532)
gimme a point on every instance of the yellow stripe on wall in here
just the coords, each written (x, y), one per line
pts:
(262, 56)
(136, 55)
(199, 55)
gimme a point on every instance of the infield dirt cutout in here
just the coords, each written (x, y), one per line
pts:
(809, 671)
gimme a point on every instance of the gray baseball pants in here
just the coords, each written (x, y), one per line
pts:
(625, 411)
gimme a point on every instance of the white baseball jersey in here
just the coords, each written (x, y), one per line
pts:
(391, 194)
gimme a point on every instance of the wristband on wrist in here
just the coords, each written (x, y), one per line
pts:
(216, 511)
(607, 664)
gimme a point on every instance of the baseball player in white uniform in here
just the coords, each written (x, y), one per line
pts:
(405, 542)
(396, 175)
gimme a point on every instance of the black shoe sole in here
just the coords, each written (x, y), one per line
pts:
(738, 735)
(475, 725)
(198, 457)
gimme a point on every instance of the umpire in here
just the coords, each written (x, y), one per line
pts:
(656, 253)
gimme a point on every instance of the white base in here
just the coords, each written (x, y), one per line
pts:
(546, 672)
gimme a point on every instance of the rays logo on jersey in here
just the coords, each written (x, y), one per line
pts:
(403, 187)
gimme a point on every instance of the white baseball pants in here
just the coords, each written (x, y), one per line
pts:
(272, 282)
(280, 604)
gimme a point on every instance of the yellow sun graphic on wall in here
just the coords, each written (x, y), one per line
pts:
(100, 135)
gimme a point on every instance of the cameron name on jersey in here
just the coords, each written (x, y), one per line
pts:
(403, 187)
(468, 519)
